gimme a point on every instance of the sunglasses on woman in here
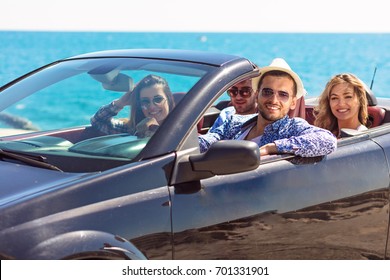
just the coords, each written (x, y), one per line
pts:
(244, 92)
(157, 101)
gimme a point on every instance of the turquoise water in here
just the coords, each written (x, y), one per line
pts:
(315, 57)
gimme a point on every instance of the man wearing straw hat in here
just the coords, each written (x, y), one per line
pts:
(278, 88)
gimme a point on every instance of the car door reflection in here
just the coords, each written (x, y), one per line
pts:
(351, 228)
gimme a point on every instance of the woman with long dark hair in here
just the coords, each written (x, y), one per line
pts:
(151, 101)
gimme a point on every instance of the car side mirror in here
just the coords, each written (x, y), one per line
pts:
(227, 157)
(223, 158)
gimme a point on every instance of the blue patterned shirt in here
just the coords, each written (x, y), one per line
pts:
(294, 136)
(221, 129)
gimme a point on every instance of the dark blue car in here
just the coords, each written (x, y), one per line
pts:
(68, 191)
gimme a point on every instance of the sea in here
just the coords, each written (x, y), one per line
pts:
(316, 57)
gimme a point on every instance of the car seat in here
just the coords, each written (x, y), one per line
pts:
(300, 109)
(376, 114)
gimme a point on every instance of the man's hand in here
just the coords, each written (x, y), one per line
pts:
(268, 149)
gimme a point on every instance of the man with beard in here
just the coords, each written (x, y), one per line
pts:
(244, 107)
(278, 89)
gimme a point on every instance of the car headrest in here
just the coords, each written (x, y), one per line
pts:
(371, 99)
(178, 96)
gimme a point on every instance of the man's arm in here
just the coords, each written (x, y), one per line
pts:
(226, 131)
(307, 141)
(216, 131)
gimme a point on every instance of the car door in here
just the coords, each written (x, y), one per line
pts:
(94, 216)
(332, 207)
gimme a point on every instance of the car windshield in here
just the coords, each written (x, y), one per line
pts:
(50, 109)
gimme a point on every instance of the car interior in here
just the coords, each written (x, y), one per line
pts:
(82, 142)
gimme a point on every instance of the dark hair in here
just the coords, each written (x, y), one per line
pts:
(136, 114)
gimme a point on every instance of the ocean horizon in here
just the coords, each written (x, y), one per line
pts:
(316, 57)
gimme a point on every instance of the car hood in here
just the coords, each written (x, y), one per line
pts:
(20, 181)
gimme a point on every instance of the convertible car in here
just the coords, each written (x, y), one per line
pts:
(68, 191)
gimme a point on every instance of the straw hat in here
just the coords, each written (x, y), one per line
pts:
(281, 65)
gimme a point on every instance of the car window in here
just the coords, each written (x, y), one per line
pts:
(52, 108)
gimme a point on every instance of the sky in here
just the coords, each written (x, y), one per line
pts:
(359, 16)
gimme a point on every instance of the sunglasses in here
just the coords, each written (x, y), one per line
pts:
(157, 101)
(281, 95)
(244, 92)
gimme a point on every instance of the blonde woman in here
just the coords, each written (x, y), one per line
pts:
(342, 104)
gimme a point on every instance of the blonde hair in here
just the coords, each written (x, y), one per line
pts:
(324, 117)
